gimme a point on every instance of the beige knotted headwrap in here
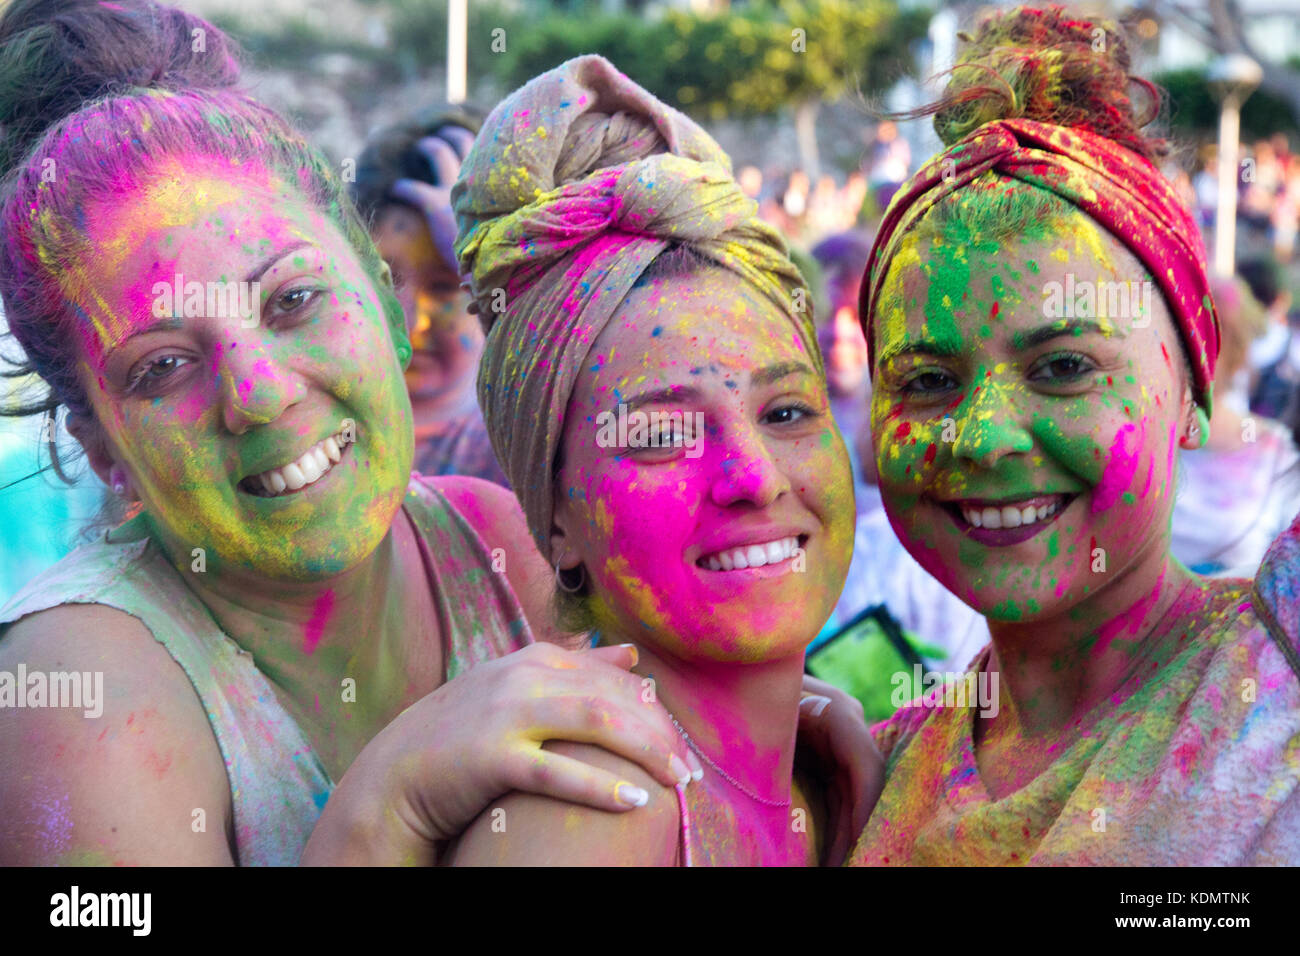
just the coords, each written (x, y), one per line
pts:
(576, 182)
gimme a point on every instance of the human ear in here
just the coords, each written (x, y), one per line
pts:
(1196, 424)
(393, 313)
(86, 430)
(564, 553)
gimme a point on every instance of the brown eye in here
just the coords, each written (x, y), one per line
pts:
(928, 382)
(789, 414)
(156, 372)
(1064, 368)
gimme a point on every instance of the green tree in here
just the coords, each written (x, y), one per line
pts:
(757, 60)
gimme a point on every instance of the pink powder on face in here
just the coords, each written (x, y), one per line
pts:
(320, 615)
(1121, 466)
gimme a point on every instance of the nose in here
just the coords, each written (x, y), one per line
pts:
(747, 471)
(254, 387)
(990, 427)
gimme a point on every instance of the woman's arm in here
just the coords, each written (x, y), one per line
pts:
(143, 783)
(522, 829)
(433, 770)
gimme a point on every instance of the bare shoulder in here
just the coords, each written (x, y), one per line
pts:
(111, 754)
(495, 514)
(523, 829)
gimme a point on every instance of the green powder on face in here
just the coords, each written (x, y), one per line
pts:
(970, 554)
(1033, 266)
(986, 332)
(1008, 610)
(949, 279)
(1053, 544)
(1128, 498)
(1078, 453)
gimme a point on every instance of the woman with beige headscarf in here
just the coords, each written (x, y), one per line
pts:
(653, 388)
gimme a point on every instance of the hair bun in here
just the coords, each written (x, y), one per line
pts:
(1046, 65)
(56, 55)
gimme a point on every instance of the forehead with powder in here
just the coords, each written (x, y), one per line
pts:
(133, 240)
(987, 252)
(709, 322)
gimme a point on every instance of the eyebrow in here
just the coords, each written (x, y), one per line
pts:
(923, 347)
(1055, 331)
(259, 270)
(168, 324)
(774, 373)
(171, 323)
(1022, 340)
(689, 393)
(673, 393)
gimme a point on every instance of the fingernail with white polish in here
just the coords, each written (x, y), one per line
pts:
(697, 768)
(631, 796)
(679, 769)
(814, 704)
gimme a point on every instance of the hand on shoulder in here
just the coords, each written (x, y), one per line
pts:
(523, 829)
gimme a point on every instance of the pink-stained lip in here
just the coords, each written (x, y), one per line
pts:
(1003, 537)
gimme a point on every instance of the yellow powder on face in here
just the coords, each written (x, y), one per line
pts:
(178, 195)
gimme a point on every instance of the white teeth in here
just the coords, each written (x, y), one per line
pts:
(314, 463)
(752, 556)
(293, 476)
(1008, 516)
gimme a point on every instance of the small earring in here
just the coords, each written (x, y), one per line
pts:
(582, 579)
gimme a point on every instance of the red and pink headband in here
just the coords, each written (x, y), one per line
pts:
(1122, 190)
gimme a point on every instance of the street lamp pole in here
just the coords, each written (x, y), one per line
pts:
(1232, 78)
(457, 55)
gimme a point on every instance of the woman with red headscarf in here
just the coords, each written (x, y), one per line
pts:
(1043, 342)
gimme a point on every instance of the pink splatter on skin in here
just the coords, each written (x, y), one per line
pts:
(1070, 609)
(725, 648)
(1121, 467)
(320, 615)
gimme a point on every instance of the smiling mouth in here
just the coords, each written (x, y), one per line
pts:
(309, 468)
(756, 555)
(1006, 522)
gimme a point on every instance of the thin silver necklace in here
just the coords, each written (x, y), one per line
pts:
(722, 773)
